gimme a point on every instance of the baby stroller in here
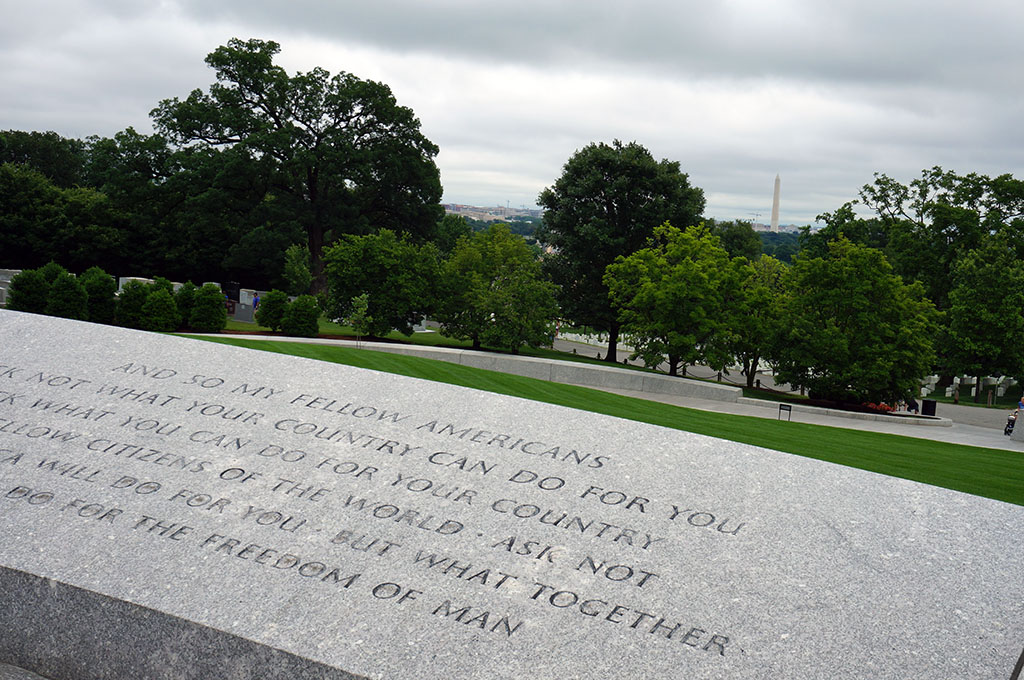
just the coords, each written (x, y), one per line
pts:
(1010, 421)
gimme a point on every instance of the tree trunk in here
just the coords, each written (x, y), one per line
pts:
(673, 365)
(750, 366)
(977, 390)
(316, 234)
(316, 258)
(613, 341)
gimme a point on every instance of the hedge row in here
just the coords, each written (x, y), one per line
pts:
(301, 317)
(93, 296)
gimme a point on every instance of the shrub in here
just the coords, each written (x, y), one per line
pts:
(51, 270)
(159, 312)
(129, 305)
(271, 309)
(184, 299)
(28, 292)
(67, 298)
(302, 317)
(208, 313)
(296, 269)
(160, 282)
(101, 288)
(360, 319)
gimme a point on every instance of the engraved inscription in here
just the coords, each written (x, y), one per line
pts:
(488, 533)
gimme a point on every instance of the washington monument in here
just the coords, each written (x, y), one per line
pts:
(775, 205)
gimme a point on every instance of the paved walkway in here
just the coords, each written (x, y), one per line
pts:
(972, 425)
(969, 425)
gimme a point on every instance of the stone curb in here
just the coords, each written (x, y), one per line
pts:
(601, 377)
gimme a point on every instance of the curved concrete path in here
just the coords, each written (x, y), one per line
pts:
(958, 424)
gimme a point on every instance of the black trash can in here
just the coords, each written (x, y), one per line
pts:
(928, 407)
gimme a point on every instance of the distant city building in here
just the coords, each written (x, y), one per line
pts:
(782, 228)
(490, 213)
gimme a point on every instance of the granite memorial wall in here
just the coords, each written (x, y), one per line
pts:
(177, 508)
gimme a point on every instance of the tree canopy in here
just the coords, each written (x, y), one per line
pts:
(339, 150)
(494, 292)
(853, 331)
(757, 318)
(674, 297)
(60, 159)
(737, 237)
(399, 276)
(607, 203)
(986, 324)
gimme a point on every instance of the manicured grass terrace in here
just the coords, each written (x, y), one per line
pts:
(985, 472)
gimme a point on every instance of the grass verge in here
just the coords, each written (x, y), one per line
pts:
(991, 473)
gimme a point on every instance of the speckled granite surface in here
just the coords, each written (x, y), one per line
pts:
(188, 506)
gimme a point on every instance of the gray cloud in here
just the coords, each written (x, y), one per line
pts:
(824, 93)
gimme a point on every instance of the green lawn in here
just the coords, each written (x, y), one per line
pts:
(1007, 402)
(331, 329)
(991, 473)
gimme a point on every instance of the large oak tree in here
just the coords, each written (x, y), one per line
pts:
(607, 203)
(342, 153)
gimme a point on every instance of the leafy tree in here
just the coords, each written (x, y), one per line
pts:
(51, 271)
(28, 292)
(737, 237)
(783, 246)
(162, 283)
(495, 293)
(296, 269)
(159, 313)
(67, 298)
(184, 300)
(925, 226)
(851, 330)
(188, 209)
(271, 309)
(93, 231)
(525, 226)
(673, 297)
(31, 211)
(135, 172)
(209, 314)
(399, 276)
(986, 326)
(843, 223)
(260, 257)
(129, 305)
(607, 203)
(359, 318)
(757, 316)
(60, 159)
(101, 288)
(339, 150)
(78, 227)
(524, 311)
(449, 230)
(301, 317)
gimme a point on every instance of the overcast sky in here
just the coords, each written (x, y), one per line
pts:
(822, 92)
